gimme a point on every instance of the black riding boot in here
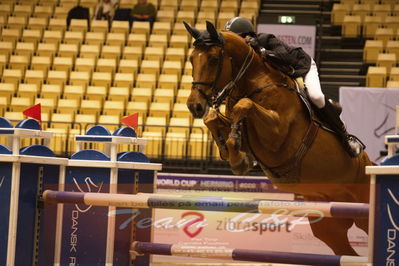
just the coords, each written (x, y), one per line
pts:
(351, 143)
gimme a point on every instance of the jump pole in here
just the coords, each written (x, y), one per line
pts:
(220, 204)
(141, 248)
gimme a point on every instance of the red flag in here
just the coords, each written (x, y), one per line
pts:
(35, 112)
(131, 120)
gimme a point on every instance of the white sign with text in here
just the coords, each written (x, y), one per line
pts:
(294, 35)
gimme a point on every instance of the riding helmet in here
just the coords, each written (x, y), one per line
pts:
(239, 25)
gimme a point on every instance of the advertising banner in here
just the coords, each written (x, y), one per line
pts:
(276, 232)
(369, 114)
(5, 193)
(84, 229)
(386, 243)
(294, 35)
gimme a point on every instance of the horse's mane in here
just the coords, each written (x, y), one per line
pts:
(240, 43)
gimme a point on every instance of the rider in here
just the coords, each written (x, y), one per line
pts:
(301, 65)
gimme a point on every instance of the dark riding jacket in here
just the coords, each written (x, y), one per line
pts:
(281, 53)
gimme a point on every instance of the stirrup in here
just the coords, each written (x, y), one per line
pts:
(355, 146)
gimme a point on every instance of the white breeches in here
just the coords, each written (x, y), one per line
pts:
(312, 83)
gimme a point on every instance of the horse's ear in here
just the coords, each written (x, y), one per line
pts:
(212, 30)
(193, 31)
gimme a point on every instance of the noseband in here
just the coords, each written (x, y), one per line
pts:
(218, 96)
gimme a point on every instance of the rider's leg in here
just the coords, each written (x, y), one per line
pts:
(329, 113)
(312, 83)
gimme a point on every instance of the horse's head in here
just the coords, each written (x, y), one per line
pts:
(214, 66)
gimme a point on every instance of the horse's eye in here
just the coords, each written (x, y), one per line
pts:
(213, 61)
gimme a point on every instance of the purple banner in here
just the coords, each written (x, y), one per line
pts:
(215, 183)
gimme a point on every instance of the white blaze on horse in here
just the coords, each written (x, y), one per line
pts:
(267, 122)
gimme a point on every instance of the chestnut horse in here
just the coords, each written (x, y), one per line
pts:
(266, 122)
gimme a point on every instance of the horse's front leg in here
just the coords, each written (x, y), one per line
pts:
(267, 121)
(219, 127)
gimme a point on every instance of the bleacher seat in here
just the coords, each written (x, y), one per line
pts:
(146, 81)
(90, 107)
(99, 26)
(90, 50)
(57, 24)
(111, 51)
(155, 124)
(137, 107)
(19, 104)
(351, 26)
(162, 28)
(116, 108)
(160, 109)
(164, 96)
(124, 80)
(393, 84)
(137, 39)
(13, 76)
(119, 94)
(371, 24)
(74, 92)
(110, 121)
(98, 93)
(37, 23)
(175, 145)
(47, 104)
(179, 125)
(128, 66)
(150, 67)
(51, 91)
(154, 53)
(25, 48)
(29, 90)
(80, 25)
(394, 75)
(386, 60)
(120, 27)
(66, 106)
(85, 64)
(376, 76)
(80, 78)
(47, 49)
(182, 96)
(7, 90)
(115, 38)
(384, 34)
(142, 95)
(106, 65)
(133, 52)
(63, 63)
(95, 38)
(185, 15)
(37, 77)
(52, 36)
(101, 79)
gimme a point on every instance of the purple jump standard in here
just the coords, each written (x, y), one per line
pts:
(205, 203)
(142, 248)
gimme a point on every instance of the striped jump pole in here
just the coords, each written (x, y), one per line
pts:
(141, 248)
(220, 204)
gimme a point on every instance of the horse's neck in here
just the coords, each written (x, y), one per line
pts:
(259, 75)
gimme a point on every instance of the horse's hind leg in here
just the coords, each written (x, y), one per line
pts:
(333, 232)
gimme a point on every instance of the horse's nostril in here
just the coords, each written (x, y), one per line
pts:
(198, 108)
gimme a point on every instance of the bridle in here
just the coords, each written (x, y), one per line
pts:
(218, 96)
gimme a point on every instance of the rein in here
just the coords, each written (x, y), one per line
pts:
(217, 98)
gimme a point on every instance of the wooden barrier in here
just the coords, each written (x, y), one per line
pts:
(148, 200)
(141, 248)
